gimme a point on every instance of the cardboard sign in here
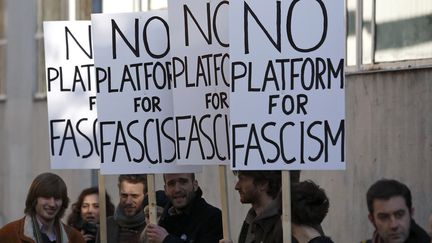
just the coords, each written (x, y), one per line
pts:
(287, 88)
(134, 93)
(201, 80)
(72, 114)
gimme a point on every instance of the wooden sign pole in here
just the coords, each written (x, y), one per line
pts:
(224, 201)
(102, 209)
(151, 193)
(286, 206)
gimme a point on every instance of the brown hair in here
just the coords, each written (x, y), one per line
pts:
(272, 177)
(309, 204)
(75, 216)
(47, 185)
(134, 179)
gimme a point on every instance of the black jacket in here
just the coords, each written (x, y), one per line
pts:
(200, 223)
(319, 239)
(266, 227)
(417, 235)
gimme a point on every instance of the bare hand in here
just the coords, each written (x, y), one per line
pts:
(87, 237)
(155, 233)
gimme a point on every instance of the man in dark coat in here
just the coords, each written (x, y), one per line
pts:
(187, 217)
(390, 211)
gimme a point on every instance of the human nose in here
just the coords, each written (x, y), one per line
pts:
(237, 186)
(51, 201)
(177, 187)
(91, 209)
(394, 223)
(129, 200)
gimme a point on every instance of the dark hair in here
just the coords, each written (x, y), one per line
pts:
(294, 176)
(47, 185)
(192, 175)
(309, 204)
(74, 217)
(272, 177)
(161, 199)
(384, 189)
(134, 179)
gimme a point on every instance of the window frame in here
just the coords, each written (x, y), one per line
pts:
(3, 44)
(373, 67)
(40, 92)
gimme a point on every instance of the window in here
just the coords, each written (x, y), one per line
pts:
(403, 30)
(2, 51)
(388, 34)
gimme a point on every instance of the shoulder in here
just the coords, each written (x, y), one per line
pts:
(203, 204)
(111, 222)
(12, 226)
(73, 234)
(12, 230)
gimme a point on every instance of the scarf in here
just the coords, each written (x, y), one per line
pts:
(37, 233)
(129, 222)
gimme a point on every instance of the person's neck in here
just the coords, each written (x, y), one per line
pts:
(304, 233)
(47, 226)
(262, 203)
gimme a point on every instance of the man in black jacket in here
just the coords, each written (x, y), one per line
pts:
(188, 217)
(390, 211)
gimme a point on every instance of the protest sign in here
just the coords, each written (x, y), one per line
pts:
(72, 114)
(134, 93)
(287, 95)
(200, 69)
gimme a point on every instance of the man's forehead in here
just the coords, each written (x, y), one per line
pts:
(390, 205)
(131, 188)
(173, 177)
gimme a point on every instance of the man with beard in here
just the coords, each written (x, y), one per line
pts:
(187, 217)
(129, 219)
(261, 189)
(45, 205)
(390, 211)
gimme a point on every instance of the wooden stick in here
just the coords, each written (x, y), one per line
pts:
(286, 206)
(224, 201)
(151, 193)
(102, 209)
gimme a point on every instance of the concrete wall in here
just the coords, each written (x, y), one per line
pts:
(389, 134)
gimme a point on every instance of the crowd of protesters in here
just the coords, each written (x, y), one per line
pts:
(183, 215)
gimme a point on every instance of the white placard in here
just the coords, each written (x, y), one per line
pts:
(72, 113)
(201, 80)
(134, 93)
(287, 91)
